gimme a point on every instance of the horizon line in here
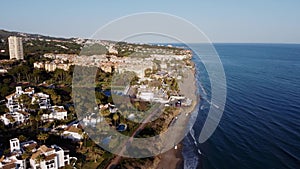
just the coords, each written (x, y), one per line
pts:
(212, 42)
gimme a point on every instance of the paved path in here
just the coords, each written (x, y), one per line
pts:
(118, 158)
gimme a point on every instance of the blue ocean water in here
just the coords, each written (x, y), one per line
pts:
(260, 127)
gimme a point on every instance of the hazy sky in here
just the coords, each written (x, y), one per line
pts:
(221, 20)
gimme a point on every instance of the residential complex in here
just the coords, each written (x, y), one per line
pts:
(18, 112)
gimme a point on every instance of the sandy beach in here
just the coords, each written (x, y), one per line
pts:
(173, 159)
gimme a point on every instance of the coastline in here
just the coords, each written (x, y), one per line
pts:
(173, 159)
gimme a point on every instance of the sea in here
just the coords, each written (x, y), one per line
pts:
(260, 125)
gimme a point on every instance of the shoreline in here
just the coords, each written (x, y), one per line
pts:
(174, 159)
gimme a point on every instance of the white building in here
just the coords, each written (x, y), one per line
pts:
(54, 157)
(73, 132)
(146, 96)
(14, 117)
(58, 113)
(15, 48)
(112, 50)
(92, 120)
(14, 145)
(14, 160)
(42, 99)
(12, 99)
(3, 71)
(42, 157)
(12, 103)
(50, 67)
(39, 65)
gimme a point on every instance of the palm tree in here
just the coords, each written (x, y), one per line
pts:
(25, 155)
(137, 105)
(85, 137)
(105, 112)
(43, 136)
(37, 118)
(96, 153)
(40, 158)
(115, 117)
(22, 138)
(31, 118)
(24, 100)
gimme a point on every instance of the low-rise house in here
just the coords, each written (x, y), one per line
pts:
(3, 71)
(29, 146)
(57, 113)
(13, 161)
(42, 99)
(92, 120)
(50, 66)
(39, 65)
(7, 121)
(17, 117)
(12, 103)
(73, 132)
(63, 66)
(29, 91)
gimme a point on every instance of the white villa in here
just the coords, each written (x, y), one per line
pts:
(58, 113)
(54, 157)
(42, 99)
(42, 157)
(18, 116)
(12, 99)
(73, 132)
(92, 120)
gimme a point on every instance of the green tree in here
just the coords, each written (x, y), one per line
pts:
(3, 109)
(31, 119)
(25, 155)
(4, 90)
(24, 100)
(116, 118)
(85, 137)
(56, 99)
(43, 137)
(40, 158)
(105, 112)
(22, 138)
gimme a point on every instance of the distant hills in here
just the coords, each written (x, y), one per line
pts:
(37, 45)
(4, 34)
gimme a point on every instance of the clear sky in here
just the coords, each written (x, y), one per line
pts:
(263, 21)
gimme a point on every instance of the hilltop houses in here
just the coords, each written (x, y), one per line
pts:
(18, 113)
